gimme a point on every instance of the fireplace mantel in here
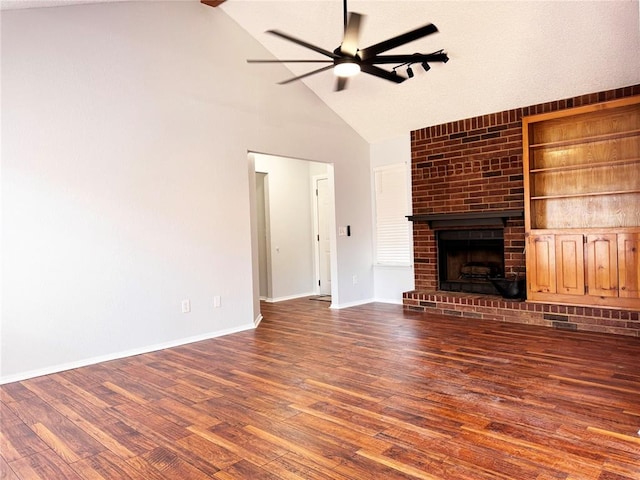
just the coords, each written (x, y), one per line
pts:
(467, 219)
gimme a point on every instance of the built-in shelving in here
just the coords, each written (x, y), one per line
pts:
(582, 204)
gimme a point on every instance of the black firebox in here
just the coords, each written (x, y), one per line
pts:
(467, 259)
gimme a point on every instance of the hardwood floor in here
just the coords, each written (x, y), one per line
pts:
(361, 393)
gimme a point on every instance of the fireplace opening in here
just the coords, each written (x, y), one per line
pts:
(468, 259)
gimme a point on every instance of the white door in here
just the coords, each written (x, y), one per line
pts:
(323, 246)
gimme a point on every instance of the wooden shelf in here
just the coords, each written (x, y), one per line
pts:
(565, 168)
(590, 194)
(584, 140)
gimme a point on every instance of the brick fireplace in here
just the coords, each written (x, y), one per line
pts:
(472, 169)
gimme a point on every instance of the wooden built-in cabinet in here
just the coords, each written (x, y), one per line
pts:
(589, 269)
(629, 265)
(582, 205)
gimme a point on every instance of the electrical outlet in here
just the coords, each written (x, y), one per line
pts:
(355, 279)
(216, 301)
(186, 306)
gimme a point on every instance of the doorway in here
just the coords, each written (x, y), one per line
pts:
(294, 228)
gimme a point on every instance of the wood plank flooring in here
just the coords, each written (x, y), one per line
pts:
(369, 392)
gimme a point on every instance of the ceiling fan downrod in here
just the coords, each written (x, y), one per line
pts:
(344, 13)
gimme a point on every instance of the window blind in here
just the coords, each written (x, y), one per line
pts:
(393, 230)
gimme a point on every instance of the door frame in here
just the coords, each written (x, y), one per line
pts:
(251, 160)
(266, 267)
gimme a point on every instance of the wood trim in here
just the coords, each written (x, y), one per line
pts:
(591, 301)
(526, 176)
(584, 231)
(569, 112)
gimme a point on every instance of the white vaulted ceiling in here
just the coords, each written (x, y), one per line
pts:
(503, 54)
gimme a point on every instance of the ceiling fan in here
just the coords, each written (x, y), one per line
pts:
(348, 59)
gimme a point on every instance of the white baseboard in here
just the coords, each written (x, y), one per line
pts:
(115, 356)
(258, 319)
(393, 301)
(290, 297)
(352, 304)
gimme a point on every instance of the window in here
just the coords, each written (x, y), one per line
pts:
(393, 230)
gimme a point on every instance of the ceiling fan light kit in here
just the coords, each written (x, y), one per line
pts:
(346, 67)
(348, 59)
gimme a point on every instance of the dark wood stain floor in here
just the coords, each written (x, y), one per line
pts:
(369, 392)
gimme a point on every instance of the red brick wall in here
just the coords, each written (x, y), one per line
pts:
(475, 165)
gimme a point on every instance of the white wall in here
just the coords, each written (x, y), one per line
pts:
(125, 181)
(291, 228)
(391, 281)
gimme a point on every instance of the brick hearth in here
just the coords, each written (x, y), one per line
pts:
(475, 165)
(567, 317)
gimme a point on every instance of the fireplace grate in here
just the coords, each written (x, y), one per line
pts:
(479, 270)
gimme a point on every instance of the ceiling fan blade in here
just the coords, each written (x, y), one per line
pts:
(289, 61)
(397, 41)
(341, 83)
(379, 72)
(351, 35)
(303, 43)
(300, 77)
(414, 58)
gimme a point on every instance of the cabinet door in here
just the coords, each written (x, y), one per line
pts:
(541, 263)
(602, 265)
(570, 264)
(629, 264)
